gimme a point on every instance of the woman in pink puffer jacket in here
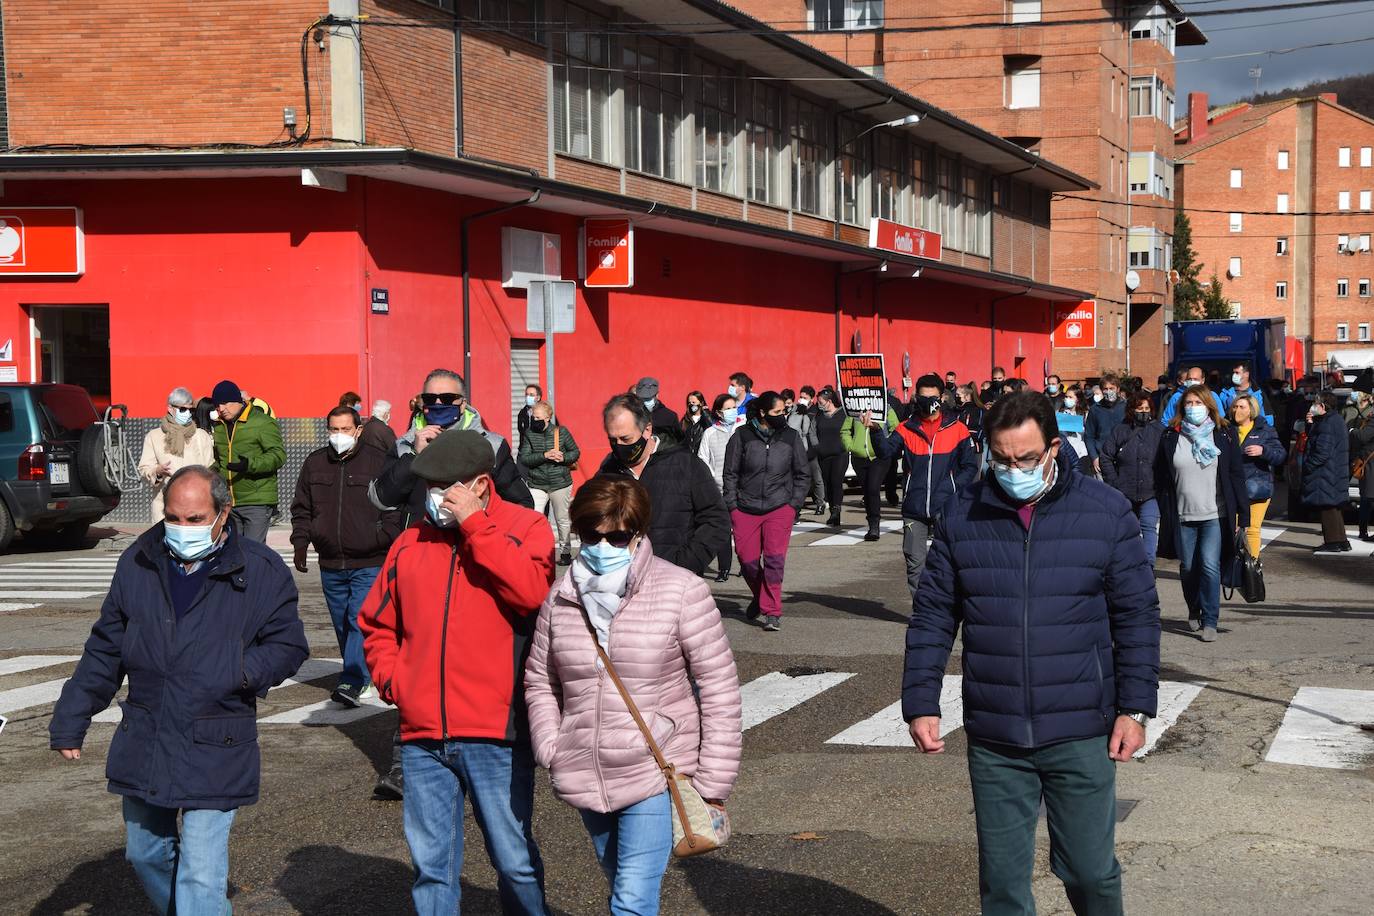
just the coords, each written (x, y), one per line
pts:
(658, 623)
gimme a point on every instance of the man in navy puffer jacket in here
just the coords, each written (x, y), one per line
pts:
(1045, 571)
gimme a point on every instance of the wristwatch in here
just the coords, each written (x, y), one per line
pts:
(1140, 717)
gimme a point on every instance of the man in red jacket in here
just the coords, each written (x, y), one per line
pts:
(446, 631)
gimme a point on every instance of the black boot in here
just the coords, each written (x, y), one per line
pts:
(834, 520)
(873, 532)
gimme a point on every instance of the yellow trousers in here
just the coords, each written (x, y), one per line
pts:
(1252, 531)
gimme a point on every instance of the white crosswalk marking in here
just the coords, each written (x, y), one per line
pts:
(1358, 548)
(886, 728)
(1174, 698)
(18, 698)
(15, 606)
(22, 663)
(312, 669)
(1270, 533)
(1322, 728)
(775, 693)
(327, 712)
(856, 535)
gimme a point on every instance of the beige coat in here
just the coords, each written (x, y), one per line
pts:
(200, 450)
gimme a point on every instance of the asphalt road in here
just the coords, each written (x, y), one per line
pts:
(1210, 825)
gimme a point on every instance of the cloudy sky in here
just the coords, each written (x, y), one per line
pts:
(1225, 80)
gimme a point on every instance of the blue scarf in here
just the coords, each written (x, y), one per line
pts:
(1205, 450)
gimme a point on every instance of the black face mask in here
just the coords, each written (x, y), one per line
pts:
(694, 408)
(775, 422)
(538, 426)
(1143, 418)
(927, 405)
(629, 455)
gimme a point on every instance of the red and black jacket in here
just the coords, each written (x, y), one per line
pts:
(938, 466)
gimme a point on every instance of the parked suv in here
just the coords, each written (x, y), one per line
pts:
(53, 483)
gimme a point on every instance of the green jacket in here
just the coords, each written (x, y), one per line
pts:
(255, 438)
(856, 438)
(547, 475)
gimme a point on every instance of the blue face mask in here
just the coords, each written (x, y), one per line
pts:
(1237, 378)
(1052, 390)
(1021, 486)
(443, 415)
(189, 543)
(530, 400)
(1196, 414)
(649, 403)
(602, 558)
(729, 416)
(181, 415)
(733, 391)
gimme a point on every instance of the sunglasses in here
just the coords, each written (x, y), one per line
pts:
(614, 538)
(446, 398)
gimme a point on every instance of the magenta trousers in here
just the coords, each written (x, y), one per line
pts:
(761, 542)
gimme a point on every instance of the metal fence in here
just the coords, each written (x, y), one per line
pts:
(299, 435)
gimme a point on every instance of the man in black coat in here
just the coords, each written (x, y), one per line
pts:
(187, 740)
(665, 420)
(688, 524)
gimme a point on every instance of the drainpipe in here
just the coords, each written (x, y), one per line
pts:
(467, 279)
(839, 278)
(992, 326)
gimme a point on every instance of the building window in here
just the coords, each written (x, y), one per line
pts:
(1281, 204)
(653, 106)
(1283, 160)
(716, 129)
(976, 219)
(1153, 22)
(1023, 82)
(1366, 156)
(1236, 177)
(764, 130)
(1342, 243)
(1342, 332)
(1142, 96)
(844, 15)
(810, 158)
(1235, 222)
(1281, 289)
(1025, 11)
(923, 204)
(1150, 173)
(1364, 288)
(1343, 200)
(1281, 246)
(891, 178)
(1146, 248)
(1342, 288)
(1365, 200)
(853, 163)
(1364, 332)
(581, 86)
(1233, 267)
(1364, 241)
(951, 203)
(1343, 157)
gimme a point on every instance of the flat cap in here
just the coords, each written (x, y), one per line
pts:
(646, 388)
(453, 456)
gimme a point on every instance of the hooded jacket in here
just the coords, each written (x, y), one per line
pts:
(666, 636)
(938, 466)
(1060, 617)
(446, 626)
(189, 735)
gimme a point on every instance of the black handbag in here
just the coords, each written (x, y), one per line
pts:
(1245, 572)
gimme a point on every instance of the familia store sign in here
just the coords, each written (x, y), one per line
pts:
(42, 242)
(886, 235)
(1075, 325)
(607, 254)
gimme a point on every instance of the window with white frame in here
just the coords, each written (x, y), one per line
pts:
(581, 86)
(1342, 242)
(716, 113)
(1342, 332)
(1150, 173)
(763, 129)
(1281, 246)
(1153, 22)
(1283, 160)
(1343, 288)
(1025, 11)
(653, 105)
(1364, 241)
(1233, 267)
(1343, 157)
(853, 165)
(1281, 203)
(1146, 248)
(810, 158)
(1235, 222)
(1142, 97)
(977, 222)
(1365, 200)
(891, 178)
(1366, 157)
(1363, 287)
(1023, 82)
(1281, 289)
(1343, 200)
(845, 15)
(951, 202)
(1236, 178)
(1364, 332)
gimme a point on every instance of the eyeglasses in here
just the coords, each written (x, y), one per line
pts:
(614, 538)
(446, 398)
(1024, 465)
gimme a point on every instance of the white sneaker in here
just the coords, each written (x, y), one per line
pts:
(367, 692)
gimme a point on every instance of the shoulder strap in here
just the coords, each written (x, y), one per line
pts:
(663, 764)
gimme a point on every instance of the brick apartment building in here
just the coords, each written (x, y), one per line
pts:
(1088, 85)
(440, 161)
(1279, 196)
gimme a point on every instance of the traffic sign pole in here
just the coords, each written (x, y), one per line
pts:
(548, 336)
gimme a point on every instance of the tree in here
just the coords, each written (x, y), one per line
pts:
(1188, 291)
(1214, 304)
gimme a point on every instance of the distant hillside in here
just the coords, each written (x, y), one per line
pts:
(1355, 92)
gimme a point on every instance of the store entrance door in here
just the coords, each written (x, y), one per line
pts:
(73, 345)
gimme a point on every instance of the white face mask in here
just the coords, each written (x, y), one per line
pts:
(181, 415)
(214, 416)
(438, 513)
(342, 442)
(805, 402)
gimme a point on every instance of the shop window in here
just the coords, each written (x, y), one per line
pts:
(653, 106)
(716, 111)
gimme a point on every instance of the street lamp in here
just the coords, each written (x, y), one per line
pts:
(904, 121)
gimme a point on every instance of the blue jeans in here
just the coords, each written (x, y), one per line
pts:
(500, 778)
(1148, 514)
(633, 846)
(1199, 557)
(186, 871)
(1077, 781)
(344, 591)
